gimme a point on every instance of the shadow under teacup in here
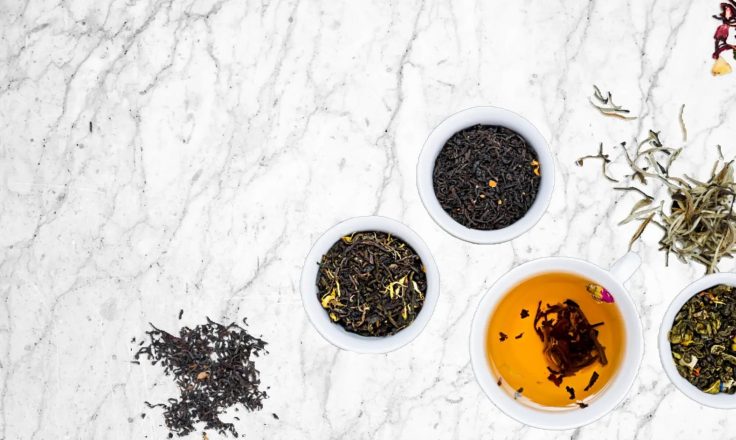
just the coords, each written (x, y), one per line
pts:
(720, 400)
(620, 378)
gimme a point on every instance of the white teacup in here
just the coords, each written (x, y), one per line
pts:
(619, 385)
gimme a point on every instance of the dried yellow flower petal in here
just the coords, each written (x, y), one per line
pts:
(720, 67)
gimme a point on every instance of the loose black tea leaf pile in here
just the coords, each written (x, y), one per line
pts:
(703, 340)
(213, 365)
(371, 283)
(570, 341)
(486, 177)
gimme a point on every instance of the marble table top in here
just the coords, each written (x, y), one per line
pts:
(166, 155)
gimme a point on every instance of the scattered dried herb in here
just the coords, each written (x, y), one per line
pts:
(371, 283)
(486, 177)
(683, 127)
(703, 340)
(604, 104)
(519, 335)
(696, 217)
(524, 313)
(502, 336)
(499, 382)
(592, 381)
(570, 341)
(213, 365)
(582, 405)
(571, 391)
(604, 158)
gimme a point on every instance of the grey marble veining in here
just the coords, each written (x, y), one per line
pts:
(166, 155)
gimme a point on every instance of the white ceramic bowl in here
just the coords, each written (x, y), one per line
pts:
(619, 385)
(334, 333)
(489, 116)
(724, 401)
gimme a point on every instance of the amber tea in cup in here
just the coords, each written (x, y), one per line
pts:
(555, 340)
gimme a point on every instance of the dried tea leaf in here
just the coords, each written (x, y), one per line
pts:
(640, 230)
(605, 105)
(570, 341)
(703, 340)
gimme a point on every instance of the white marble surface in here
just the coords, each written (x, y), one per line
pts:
(158, 155)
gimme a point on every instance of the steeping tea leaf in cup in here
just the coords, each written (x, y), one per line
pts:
(486, 177)
(371, 283)
(572, 343)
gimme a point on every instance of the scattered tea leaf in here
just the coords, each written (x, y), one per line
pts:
(592, 381)
(640, 230)
(604, 158)
(683, 127)
(221, 354)
(582, 405)
(524, 313)
(519, 335)
(570, 391)
(604, 104)
(502, 336)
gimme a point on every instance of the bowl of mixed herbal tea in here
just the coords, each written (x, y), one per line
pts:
(485, 175)
(697, 341)
(369, 285)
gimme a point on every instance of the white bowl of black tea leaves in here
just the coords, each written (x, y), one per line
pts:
(697, 341)
(369, 285)
(486, 175)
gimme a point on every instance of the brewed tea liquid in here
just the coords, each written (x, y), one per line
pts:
(521, 362)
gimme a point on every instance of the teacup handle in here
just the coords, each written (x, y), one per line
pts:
(625, 266)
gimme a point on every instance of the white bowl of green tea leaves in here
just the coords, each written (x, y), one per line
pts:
(697, 341)
(486, 175)
(369, 285)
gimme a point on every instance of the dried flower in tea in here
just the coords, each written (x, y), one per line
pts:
(486, 177)
(703, 340)
(213, 365)
(371, 283)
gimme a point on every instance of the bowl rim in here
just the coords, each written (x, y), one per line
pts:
(334, 333)
(488, 115)
(600, 404)
(721, 400)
